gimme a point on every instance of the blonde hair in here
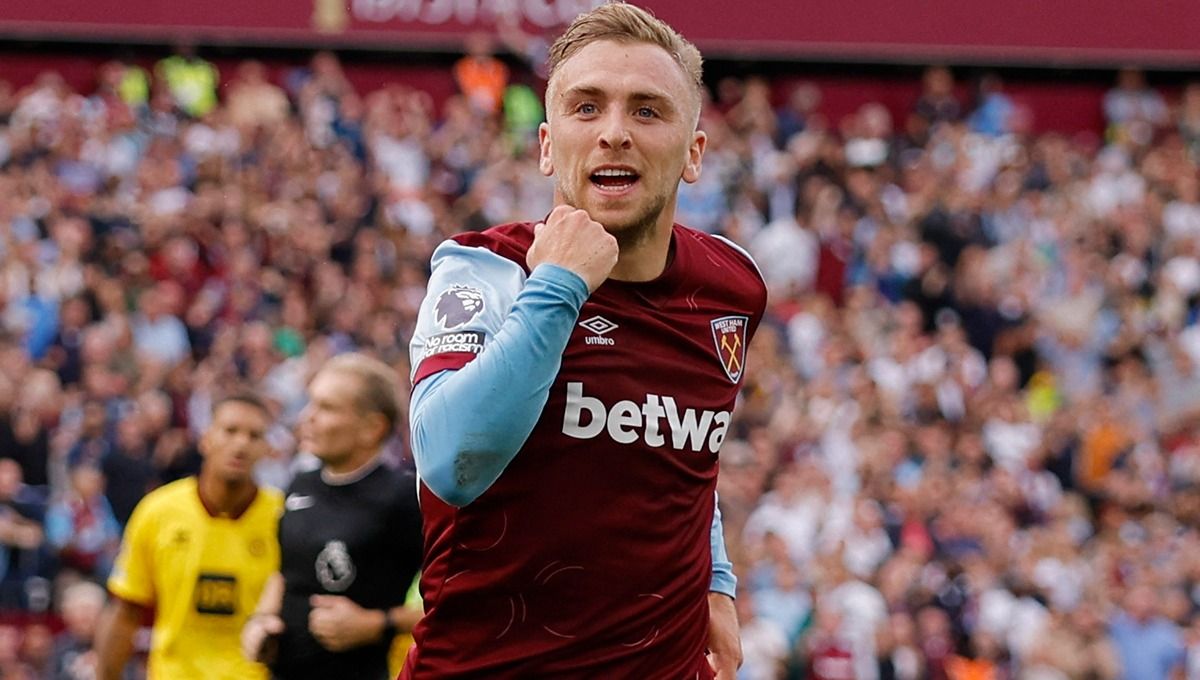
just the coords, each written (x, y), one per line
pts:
(623, 22)
(378, 393)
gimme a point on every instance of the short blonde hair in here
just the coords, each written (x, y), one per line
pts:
(378, 393)
(623, 22)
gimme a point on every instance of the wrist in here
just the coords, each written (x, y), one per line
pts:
(388, 629)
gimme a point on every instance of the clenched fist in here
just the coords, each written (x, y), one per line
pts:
(572, 240)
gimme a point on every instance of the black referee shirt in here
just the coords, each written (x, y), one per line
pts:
(362, 540)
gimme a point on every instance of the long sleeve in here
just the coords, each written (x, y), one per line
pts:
(469, 420)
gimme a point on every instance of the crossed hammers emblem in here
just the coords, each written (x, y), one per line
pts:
(734, 365)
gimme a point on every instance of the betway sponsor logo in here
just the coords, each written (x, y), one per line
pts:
(627, 421)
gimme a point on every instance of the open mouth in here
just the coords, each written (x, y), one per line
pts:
(614, 179)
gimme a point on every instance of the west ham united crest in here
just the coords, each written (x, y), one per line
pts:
(729, 334)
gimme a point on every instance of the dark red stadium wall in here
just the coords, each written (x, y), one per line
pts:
(1058, 105)
(1025, 31)
(1104, 32)
(22, 68)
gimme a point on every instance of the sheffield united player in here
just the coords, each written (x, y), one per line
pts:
(197, 552)
(574, 381)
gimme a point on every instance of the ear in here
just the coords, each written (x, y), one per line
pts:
(375, 430)
(691, 169)
(545, 164)
(204, 444)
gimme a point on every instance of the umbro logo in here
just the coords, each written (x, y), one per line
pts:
(599, 327)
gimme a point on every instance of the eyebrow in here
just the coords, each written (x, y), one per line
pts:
(583, 91)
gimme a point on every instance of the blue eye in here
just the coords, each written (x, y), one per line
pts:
(646, 112)
(588, 109)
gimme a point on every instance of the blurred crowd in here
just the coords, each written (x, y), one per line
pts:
(968, 443)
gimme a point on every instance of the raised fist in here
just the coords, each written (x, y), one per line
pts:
(572, 240)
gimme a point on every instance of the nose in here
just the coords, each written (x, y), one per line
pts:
(614, 131)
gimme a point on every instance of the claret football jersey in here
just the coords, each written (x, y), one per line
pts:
(590, 555)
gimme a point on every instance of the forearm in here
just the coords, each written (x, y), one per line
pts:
(403, 618)
(114, 637)
(369, 626)
(339, 624)
(724, 638)
(259, 641)
(271, 599)
(468, 424)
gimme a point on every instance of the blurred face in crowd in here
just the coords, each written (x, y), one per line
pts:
(10, 478)
(621, 133)
(334, 426)
(87, 481)
(81, 609)
(235, 441)
(1140, 603)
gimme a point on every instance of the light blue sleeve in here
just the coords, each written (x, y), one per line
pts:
(723, 579)
(470, 293)
(469, 423)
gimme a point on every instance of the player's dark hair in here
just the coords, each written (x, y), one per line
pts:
(243, 396)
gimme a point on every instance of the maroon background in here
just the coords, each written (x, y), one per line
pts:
(1156, 32)
(1056, 105)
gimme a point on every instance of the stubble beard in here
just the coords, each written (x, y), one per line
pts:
(632, 232)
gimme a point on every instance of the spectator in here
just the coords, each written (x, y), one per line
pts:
(22, 556)
(159, 335)
(11, 664)
(190, 80)
(128, 467)
(480, 76)
(1149, 646)
(81, 527)
(938, 103)
(830, 654)
(994, 113)
(1133, 109)
(253, 100)
(74, 657)
(765, 647)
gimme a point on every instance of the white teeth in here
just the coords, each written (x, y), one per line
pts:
(614, 173)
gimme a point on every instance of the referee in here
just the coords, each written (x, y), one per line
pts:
(350, 537)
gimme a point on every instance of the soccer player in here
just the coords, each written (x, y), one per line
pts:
(574, 381)
(350, 537)
(197, 553)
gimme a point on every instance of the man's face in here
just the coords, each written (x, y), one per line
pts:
(235, 441)
(332, 426)
(620, 135)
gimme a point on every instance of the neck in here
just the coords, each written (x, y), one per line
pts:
(352, 463)
(225, 498)
(647, 257)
